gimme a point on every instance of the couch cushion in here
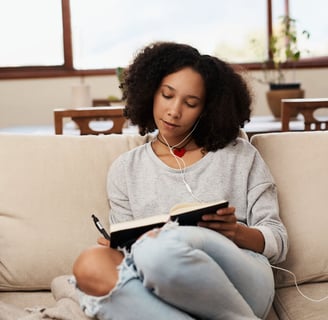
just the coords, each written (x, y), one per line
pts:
(24, 299)
(290, 305)
(49, 187)
(299, 164)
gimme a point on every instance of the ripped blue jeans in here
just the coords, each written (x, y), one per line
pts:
(182, 272)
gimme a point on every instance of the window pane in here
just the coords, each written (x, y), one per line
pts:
(31, 33)
(312, 16)
(106, 33)
(316, 24)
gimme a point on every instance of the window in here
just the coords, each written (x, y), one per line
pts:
(316, 24)
(75, 37)
(127, 25)
(31, 33)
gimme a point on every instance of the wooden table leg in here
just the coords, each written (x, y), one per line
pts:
(58, 122)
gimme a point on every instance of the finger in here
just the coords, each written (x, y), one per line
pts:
(220, 227)
(226, 211)
(228, 218)
(212, 217)
(103, 242)
(211, 225)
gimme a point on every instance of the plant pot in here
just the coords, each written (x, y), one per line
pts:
(274, 98)
(285, 86)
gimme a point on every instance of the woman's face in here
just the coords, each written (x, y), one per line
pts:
(178, 104)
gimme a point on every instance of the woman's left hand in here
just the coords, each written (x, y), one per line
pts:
(223, 221)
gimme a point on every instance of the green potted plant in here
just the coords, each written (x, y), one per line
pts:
(119, 71)
(284, 51)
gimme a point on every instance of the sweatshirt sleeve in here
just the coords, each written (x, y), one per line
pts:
(263, 211)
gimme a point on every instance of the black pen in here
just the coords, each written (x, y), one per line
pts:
(100, 227)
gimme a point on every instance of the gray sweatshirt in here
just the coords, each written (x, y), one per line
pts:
(139, 185)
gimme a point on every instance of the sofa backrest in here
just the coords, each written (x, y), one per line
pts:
(299, 164)
(49, 187)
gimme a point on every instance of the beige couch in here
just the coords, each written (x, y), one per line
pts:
(50, 185)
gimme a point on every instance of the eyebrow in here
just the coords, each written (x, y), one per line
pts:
(189, 95)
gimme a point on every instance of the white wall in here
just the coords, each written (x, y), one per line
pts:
(314, 83)
(31, 101)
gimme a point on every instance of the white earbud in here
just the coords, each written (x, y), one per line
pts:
(187, 186)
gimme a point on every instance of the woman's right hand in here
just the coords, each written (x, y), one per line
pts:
(103, 242)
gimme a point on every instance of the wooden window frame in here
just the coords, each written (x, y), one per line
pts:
(67, 69)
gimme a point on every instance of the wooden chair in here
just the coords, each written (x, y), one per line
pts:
(306, 107)
(83, 116)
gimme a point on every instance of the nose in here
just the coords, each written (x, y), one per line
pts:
(174, 109)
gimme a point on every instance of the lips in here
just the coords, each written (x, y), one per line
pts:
(169, 124)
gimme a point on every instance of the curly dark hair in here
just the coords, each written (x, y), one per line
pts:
(227, 103)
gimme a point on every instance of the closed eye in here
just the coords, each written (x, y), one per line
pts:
(191, 105)
(166, 96)
(192, 102)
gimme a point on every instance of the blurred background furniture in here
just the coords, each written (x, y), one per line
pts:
(83, 117)
(269, 124)
(110, 101)
(100, 102)
(307, 108)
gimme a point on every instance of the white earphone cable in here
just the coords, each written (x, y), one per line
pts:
(297, 287)
(182, 166)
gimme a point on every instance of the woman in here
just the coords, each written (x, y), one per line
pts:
(221, 269)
